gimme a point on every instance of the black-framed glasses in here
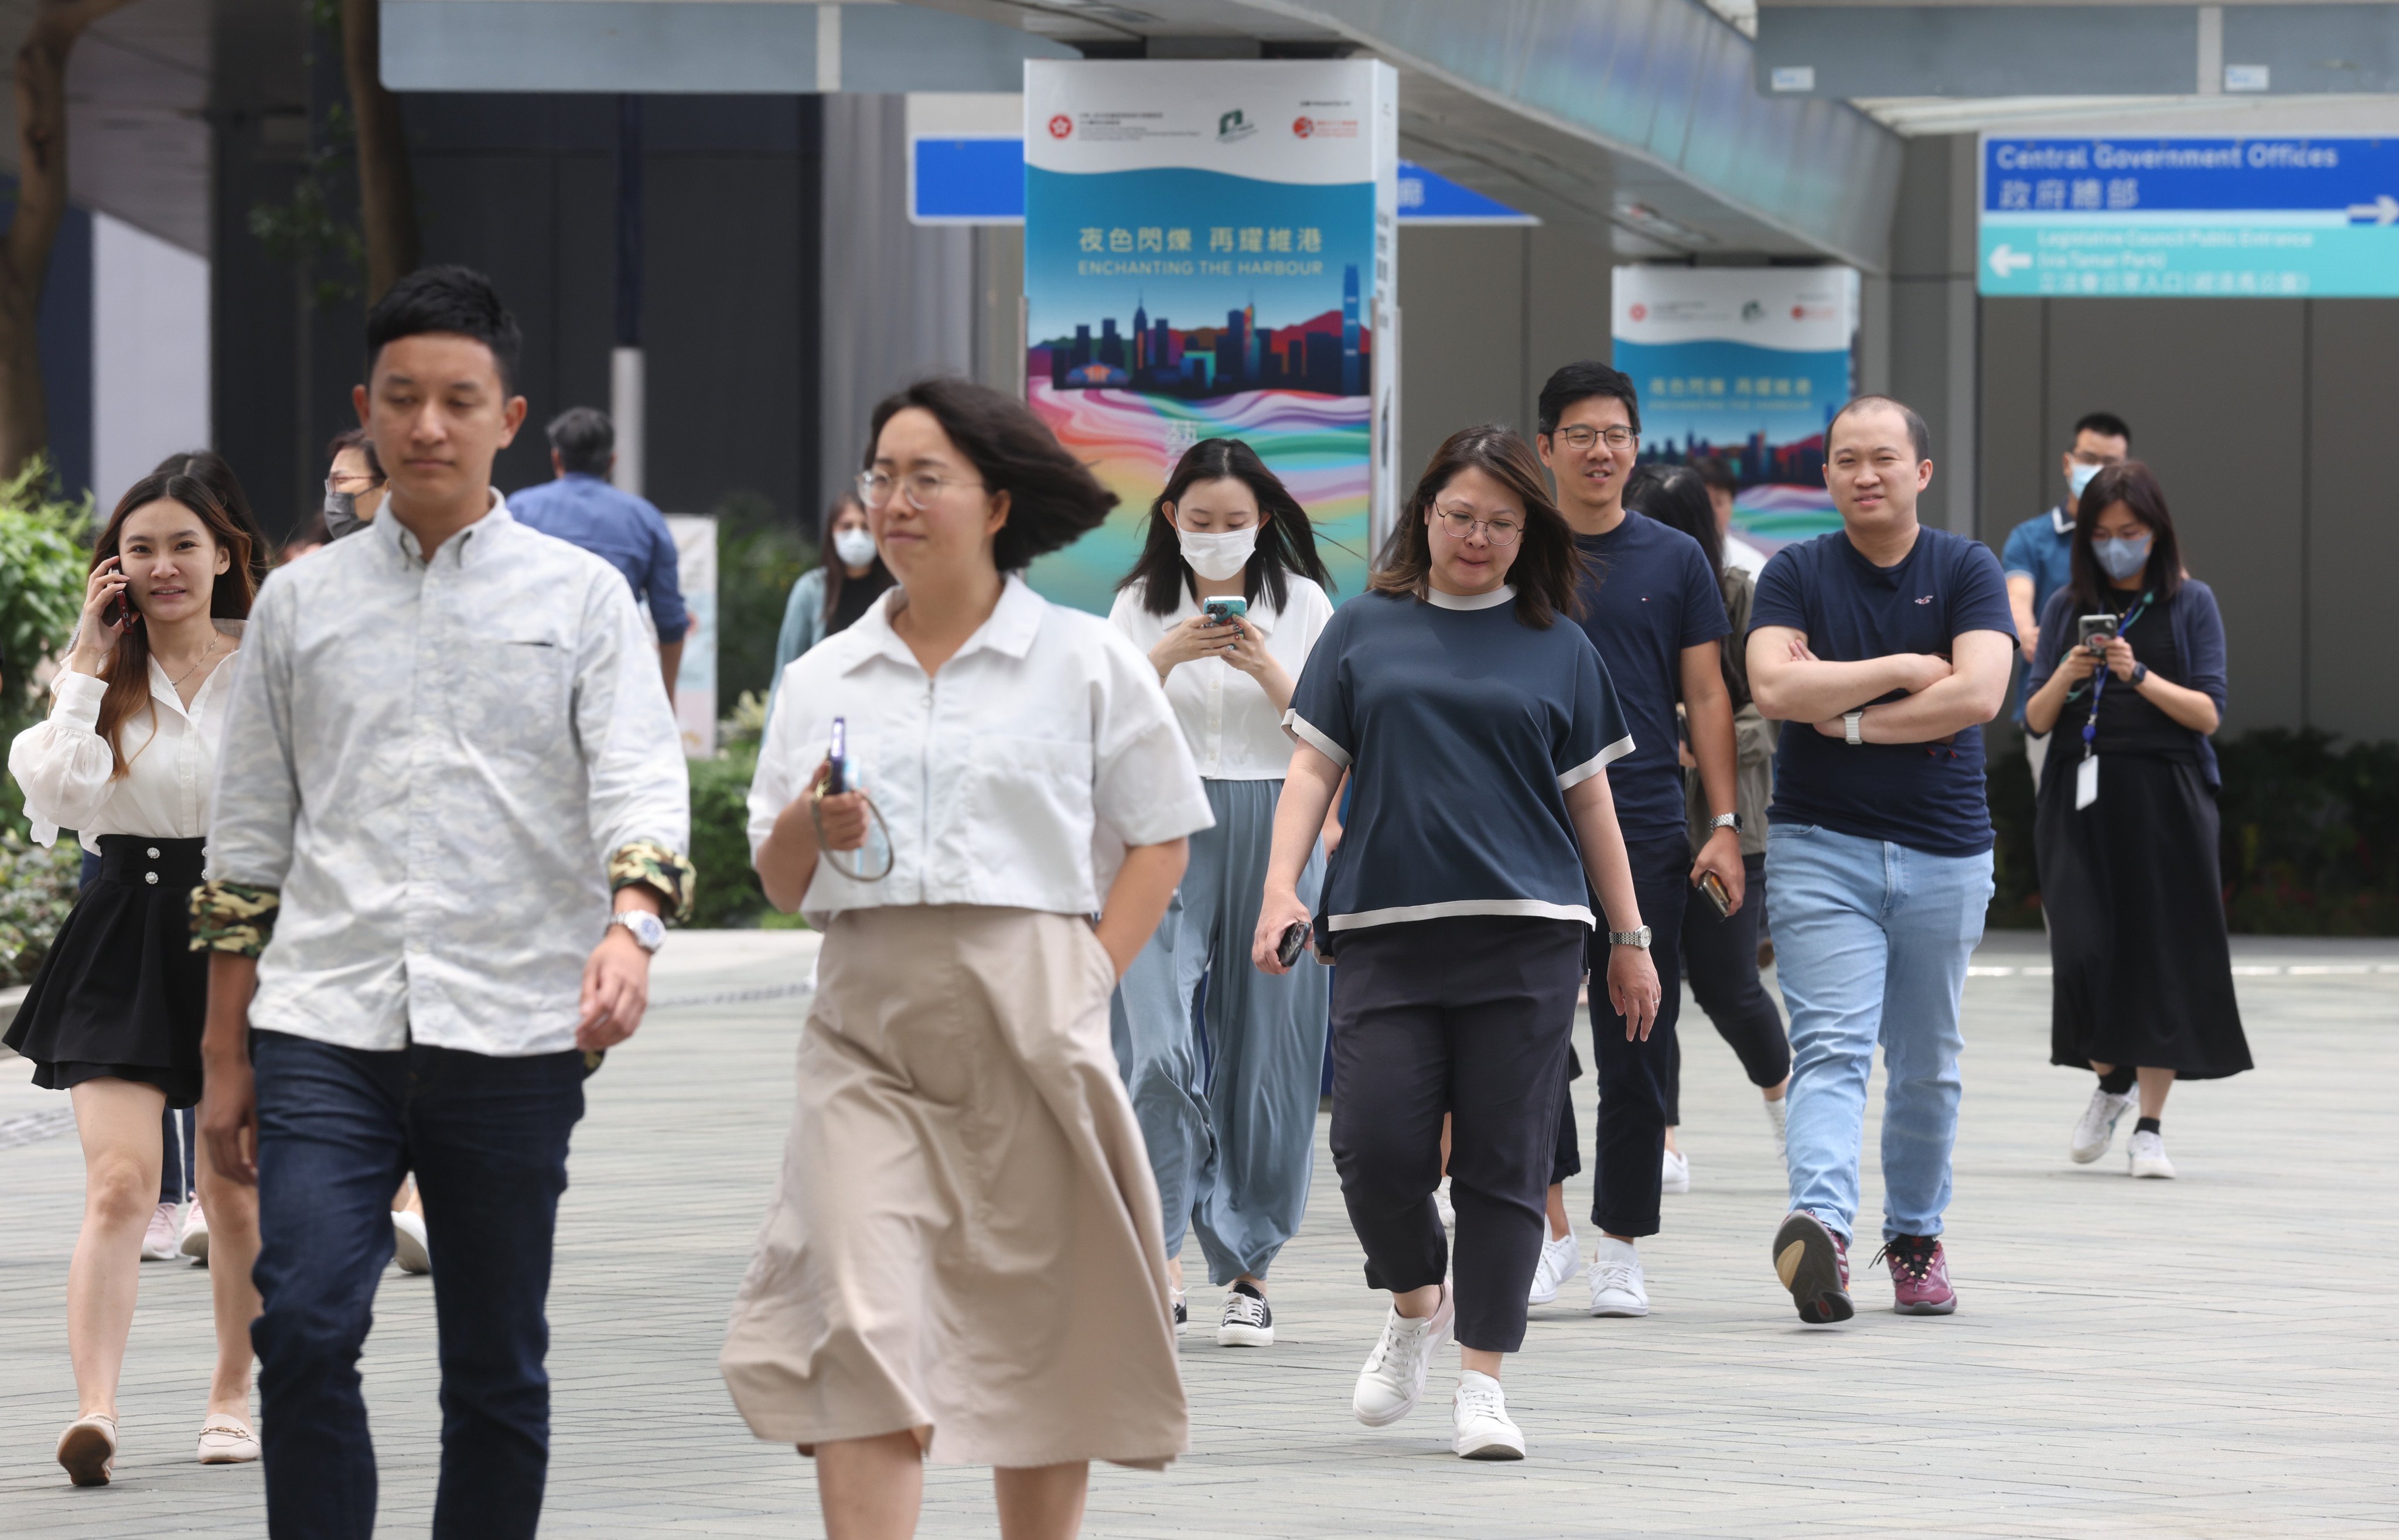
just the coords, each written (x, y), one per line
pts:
(1460, 523)
(920, 487)
(1582, 436)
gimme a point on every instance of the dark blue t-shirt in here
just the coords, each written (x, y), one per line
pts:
(1927, 796)
(1462, 730)
(1648, 595)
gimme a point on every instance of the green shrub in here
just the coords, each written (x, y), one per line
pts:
(45, 561)
(759, 556)
(37, 887)
(727, 893)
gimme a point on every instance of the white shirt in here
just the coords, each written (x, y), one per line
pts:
(171, 754)
(1016, 777)
(1741, 553)
(433, 761)
(1234, 730)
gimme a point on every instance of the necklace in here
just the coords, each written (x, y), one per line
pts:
(213, 643)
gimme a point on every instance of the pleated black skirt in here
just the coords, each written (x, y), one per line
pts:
(122, 993)
(2136, 907)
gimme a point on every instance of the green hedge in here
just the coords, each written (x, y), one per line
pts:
(727, 894)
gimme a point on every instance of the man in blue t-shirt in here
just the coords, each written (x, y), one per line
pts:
(627, 533)
(1656, 613)
(2038, 556)
(1885, 646)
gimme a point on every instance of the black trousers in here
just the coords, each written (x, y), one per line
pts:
(1629, 1140)
(1468, 1015)
(1720, 957)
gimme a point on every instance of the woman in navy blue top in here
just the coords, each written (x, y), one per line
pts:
(2143, 985)
(1476, 731)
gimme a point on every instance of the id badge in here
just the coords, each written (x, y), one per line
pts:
(2086, 781)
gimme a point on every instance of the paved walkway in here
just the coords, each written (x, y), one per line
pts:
(2209, 1357)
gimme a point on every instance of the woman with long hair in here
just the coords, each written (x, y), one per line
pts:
(962, 1259)
(830, 596)
(1232, 1145)
(127, 758)
(2130, 679)
(1477, 732)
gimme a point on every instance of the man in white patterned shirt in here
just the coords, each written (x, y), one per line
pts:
(451, 807)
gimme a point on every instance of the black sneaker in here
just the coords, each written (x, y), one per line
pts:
(1249, 1319)
(1814, 1266)
(1180, 1314)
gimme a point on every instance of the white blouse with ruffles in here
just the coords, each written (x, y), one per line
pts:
(171, 752)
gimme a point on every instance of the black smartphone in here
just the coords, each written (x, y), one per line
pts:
(2093, 626)
(1712, 885)
(1294, 940)
(837, 759)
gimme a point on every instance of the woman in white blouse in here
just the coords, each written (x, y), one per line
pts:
(1232, 1146)
(962, 1259)
(127, 758)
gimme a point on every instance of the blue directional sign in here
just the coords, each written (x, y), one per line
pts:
(2206, 218)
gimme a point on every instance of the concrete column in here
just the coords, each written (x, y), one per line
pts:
(1931, 334)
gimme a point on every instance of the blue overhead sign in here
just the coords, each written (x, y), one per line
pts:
(2209, 218)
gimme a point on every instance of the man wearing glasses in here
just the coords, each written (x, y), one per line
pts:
(1656, 613)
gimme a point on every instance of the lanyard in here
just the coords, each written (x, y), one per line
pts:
(2099, 684)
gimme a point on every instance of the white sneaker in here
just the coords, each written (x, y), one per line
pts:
(2097, 1130)
(159, 1242)
(1616, 1284)
(195, 1233)
(1393, 1381)
(2149, 1151)
(408, 1242)
(1674, 1174)
(1248, 1321)
(1561, 1260)
(1479, 1413)
(1442, 1207)
(1778, 1112)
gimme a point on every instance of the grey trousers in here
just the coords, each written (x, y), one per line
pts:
(1232, 1136)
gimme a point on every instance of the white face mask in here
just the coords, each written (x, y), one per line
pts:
(2079, 477)
(854, 546)
(1218, 556)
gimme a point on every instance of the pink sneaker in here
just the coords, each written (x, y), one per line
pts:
(1814, 1264)
(1919, 1276)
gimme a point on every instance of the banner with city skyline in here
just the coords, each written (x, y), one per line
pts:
(1205, 245)
(1746, 366)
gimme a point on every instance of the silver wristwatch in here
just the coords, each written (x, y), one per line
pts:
(1850, 721)
(1726, 821)
(1630, 938)
(649, 931)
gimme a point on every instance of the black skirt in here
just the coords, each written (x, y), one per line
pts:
(2136, 909)
(122, 993)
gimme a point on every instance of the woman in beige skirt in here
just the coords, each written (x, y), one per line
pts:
(963, 1256)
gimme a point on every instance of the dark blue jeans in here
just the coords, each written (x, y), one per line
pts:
(487, 1138)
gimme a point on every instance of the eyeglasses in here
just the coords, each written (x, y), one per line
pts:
(1582, 436)
(1461, 524)
(875, 488)
(352, 484)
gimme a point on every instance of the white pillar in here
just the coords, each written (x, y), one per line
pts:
(625, 393)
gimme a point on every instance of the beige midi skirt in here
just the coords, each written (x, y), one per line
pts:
(965, 1241)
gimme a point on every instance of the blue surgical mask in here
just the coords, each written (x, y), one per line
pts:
(2122, 559)
(2079, 477)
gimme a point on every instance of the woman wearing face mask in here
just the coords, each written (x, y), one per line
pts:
(1232, 1148)
(2126, 831)
(962, 1257)
(127, 758)
(848, 577)
(1478, 729)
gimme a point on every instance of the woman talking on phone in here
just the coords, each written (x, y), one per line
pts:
(1226, 600)
(1477, 730)
(962, 1257)
(127, 758)
(2130, 680)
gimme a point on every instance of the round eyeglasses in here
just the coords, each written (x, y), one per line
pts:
(1461, 524)
(920, 487)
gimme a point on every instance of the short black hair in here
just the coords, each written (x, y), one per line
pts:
(1714, 474)
(1581, 381)
(455, 300)
(1053, 501)
(584, 438)
(2105, 424)
(1918, 434)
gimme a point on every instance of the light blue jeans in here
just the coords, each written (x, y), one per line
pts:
(1232, 1144)
(1870, 943)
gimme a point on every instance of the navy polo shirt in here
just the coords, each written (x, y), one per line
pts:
(1647, 595)
(1462, 729)
(1927, 796)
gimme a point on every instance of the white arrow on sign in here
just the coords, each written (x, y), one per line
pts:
(2382, 210)
(2007, 258)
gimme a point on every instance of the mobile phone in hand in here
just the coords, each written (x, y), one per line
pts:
(837, 759)
(1712, 885)
(1294, 940)
(1220, 611)
(2094, 627)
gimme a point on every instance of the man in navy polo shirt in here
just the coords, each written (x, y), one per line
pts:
(1656, 613)
(1885, 646)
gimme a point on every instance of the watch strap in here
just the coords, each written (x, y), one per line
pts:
(1630, 938)
(1851, 722)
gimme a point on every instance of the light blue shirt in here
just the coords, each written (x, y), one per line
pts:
(627, 533)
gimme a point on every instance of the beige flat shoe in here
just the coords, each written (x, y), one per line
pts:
(88, 1449)
(225, 1439)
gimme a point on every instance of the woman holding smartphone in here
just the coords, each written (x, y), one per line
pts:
(2126, 828)
(1477, 731)
(1232, 1146)
(127, 758)
(962, 1259)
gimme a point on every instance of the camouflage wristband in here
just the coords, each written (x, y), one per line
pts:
(646, 863)
(233, 917)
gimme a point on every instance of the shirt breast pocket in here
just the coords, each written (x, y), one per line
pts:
(512, 696)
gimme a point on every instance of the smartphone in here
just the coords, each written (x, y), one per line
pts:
(120, 609)
(1219, 610)
(1712, 885)
(837, 759)
(2093, 626)
(1294, 940)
